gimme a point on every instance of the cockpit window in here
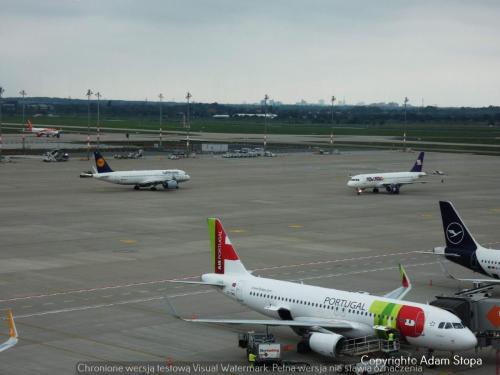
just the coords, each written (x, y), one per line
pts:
(441, 325)
(458, 325)
(448, 326)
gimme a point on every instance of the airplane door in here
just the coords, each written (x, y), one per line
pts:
(473, 261)
(240, 291)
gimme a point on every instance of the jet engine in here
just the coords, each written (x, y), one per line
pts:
(172, 184)
(327, 344)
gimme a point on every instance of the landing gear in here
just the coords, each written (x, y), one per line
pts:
(303, 347)
(375, 190)
(429, 362)
(136, 187)
(394, 189)
(358, 191)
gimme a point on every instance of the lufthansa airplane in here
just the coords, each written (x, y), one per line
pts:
(391, 181)
(12, 334)
(168, 178)
(325, 317)
(463, 249)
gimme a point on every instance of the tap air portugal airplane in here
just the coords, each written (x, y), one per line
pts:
(168, 178)
(12, 333)
(323, 316)
(40, 132)
(391, 182)
(463, 249)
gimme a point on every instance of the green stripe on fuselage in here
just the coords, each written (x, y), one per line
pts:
(211, 233)
(384, 310)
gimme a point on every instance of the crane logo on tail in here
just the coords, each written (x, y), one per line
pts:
(455, 233)
(100, 162)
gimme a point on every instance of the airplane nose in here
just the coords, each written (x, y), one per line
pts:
(349, 183)
(466, 340)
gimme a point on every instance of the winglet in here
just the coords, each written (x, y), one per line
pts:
(12, 325)
(172, 309)
(405, 287)
(405, 281)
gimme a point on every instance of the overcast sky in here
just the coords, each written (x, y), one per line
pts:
(229, 51)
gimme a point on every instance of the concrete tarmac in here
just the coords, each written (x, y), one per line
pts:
(85, 265)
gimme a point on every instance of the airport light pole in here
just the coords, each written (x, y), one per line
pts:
(404, 129)
(188, 97)
(23, 94)
(1, 132)
(89, 94)
(333, 101)
(161, 116)
(266, 98)
(98, 94)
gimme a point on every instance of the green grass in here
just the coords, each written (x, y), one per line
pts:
(430, 132)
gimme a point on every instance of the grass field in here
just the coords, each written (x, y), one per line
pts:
(474, 133)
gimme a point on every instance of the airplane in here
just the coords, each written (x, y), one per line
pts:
(168, 178)
(12, 334)
(40, 132)
(391, 181)
(326, 317)
(463, 249)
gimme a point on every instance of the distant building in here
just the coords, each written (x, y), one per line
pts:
(220, 116)
(269, 115)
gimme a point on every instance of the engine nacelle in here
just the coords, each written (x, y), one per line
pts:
(327, 344)
(172, 184)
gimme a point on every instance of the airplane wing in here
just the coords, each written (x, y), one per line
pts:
(314, 323)
(305, 322)
(405, 287)
(12, 334)
(479, 281)
(157, 181)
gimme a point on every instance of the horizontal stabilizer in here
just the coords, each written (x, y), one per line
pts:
(197, 283)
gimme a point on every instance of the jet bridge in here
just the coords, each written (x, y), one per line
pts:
(478, 311)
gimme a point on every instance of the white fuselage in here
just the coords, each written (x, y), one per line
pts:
(44, 131)
(418, 323)
(143, 178)
(489, 260)
(379, 180)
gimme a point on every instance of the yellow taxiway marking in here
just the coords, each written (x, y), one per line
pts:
(295, 226)
(237, 230)
(427, 216)
(128, 242)
(496, 210)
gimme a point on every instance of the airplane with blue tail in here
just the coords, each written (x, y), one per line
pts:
(168, 178)
(463, 249)
(391, 181)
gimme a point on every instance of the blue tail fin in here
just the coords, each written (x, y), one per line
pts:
(100, 163)
(455, 232)
(417, 167)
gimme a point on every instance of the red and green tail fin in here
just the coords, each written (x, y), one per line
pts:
(224, 257)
